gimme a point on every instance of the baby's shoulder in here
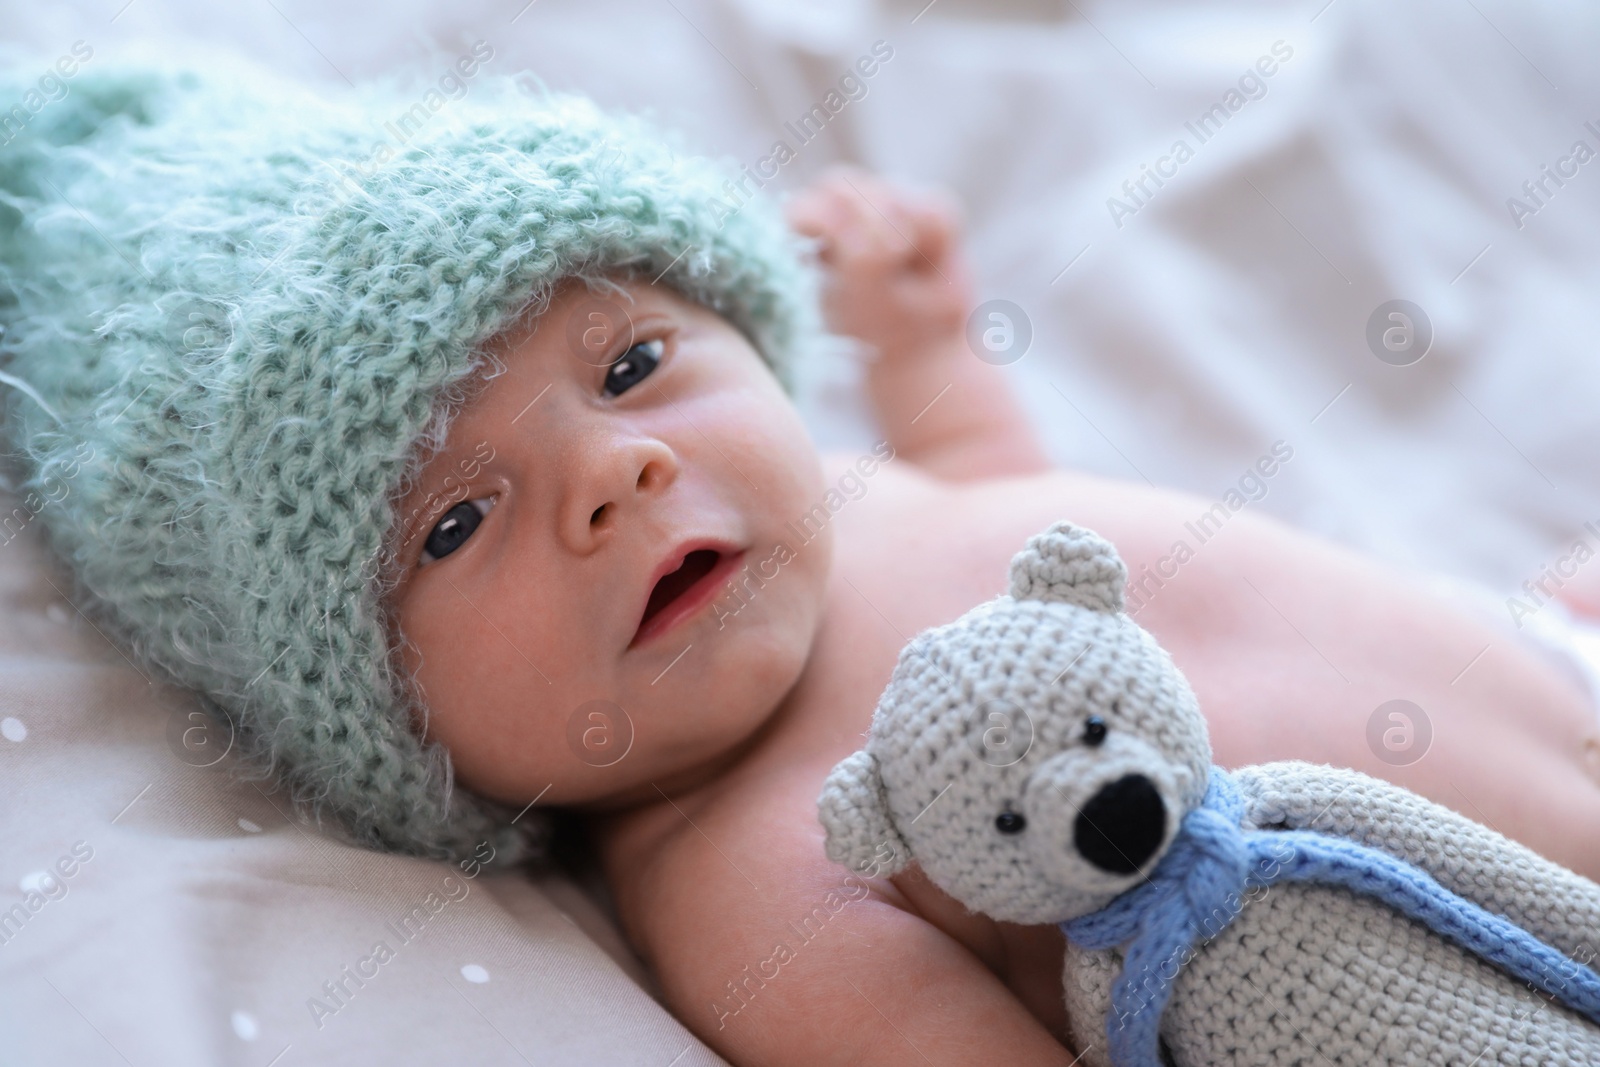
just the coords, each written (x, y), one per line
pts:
(739, 869)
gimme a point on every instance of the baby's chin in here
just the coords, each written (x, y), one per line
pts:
(711, 729)
(691, 734)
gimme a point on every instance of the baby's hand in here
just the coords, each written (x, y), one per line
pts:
(897, 279)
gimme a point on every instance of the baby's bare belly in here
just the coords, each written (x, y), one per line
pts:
(1291, 645)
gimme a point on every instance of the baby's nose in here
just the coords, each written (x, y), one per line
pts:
(1122, 825)
(605, 476)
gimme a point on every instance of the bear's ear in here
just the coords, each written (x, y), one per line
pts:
(855, 814)
(1070, 565)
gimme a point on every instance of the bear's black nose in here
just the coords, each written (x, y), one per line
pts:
(1122, 825)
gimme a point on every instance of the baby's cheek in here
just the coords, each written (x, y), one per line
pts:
(476, 697)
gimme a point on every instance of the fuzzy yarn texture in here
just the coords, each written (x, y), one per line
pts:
(235, 332)
(1206, 879)
(1314, 974)
(999, 753)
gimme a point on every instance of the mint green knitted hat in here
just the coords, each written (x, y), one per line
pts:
(238, 316)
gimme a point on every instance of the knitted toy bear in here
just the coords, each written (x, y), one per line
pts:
(1044, 760)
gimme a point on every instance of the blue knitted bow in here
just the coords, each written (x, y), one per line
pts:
(1200, 886)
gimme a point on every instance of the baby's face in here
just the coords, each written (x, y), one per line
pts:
(564, 601)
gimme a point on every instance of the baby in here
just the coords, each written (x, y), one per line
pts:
(619, 581)
(709, 614)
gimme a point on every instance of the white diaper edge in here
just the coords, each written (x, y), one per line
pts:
(1570, 641)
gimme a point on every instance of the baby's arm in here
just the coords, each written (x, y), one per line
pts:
(774, 956)
(898, 281)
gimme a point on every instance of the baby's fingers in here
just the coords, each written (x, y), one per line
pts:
(911, 227)
(934, 220)
(812, 213)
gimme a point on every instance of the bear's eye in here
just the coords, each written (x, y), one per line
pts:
(1009, 822)
(1094, 730)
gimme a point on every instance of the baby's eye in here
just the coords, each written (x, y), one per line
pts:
(633, 367)
(451, 531)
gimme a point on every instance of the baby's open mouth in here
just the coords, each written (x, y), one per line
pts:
(683, 591)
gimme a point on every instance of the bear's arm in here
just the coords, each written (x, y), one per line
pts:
(1472, 860)
(775, 956)
(1087, 977)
